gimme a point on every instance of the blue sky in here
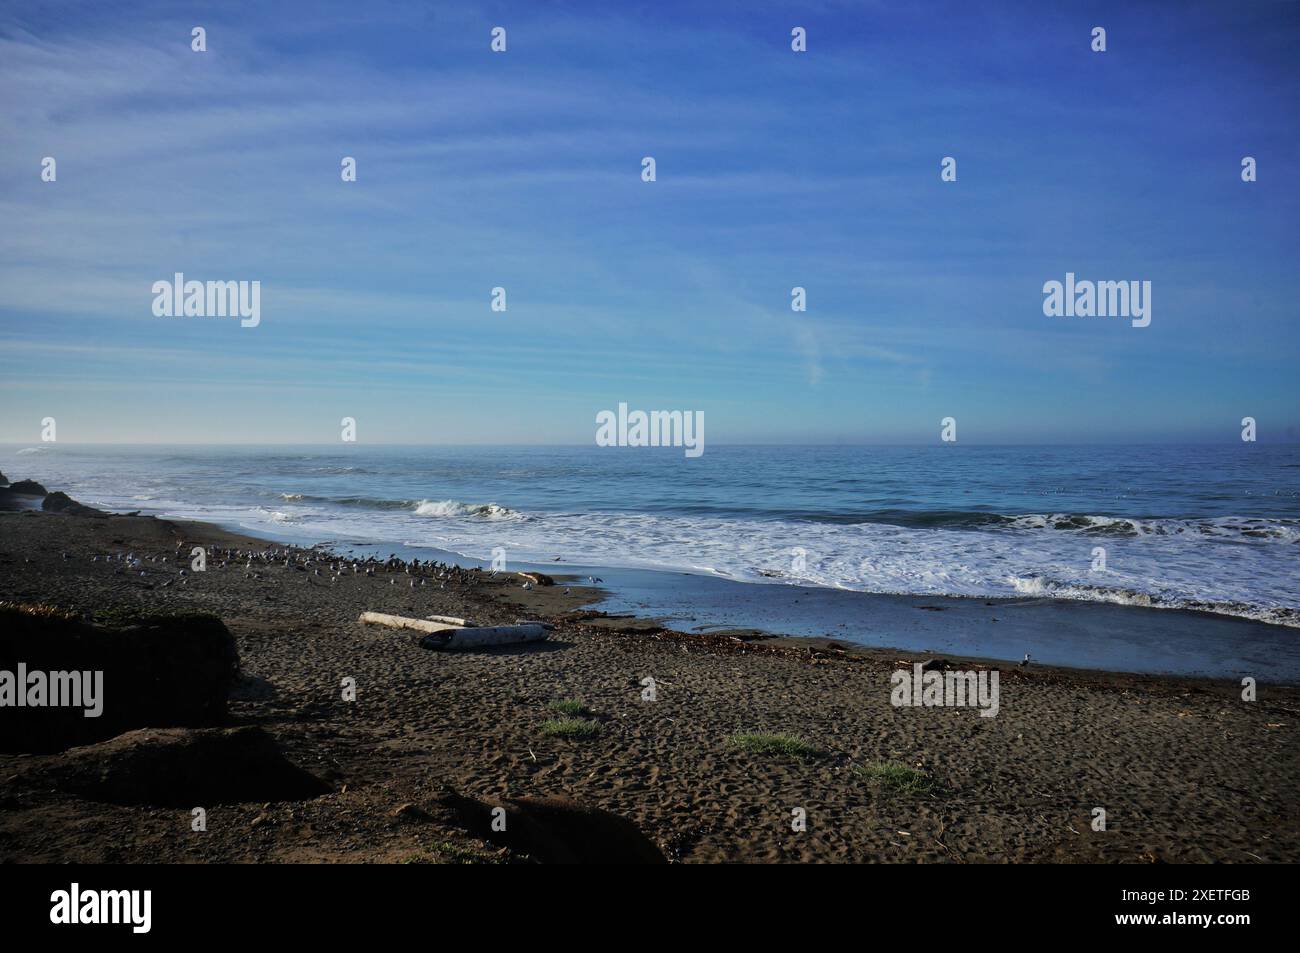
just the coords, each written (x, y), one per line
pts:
(522, 170)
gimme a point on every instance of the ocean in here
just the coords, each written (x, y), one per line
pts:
(1213, 528)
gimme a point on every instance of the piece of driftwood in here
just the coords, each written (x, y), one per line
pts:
(404, 622)
(450, 620)
(538, 578)
(484, 637)
(451, 634)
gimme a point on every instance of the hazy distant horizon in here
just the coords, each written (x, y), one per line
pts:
(358, 446)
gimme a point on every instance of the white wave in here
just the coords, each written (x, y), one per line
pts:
(1042, 587)
(454, 509)
(1226, 528)
(27, 450)
(279, 516)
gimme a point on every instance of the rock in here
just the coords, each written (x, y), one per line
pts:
(27, 488)
(157, 671)
(557, 830)
(179, 767)
(409, 812)
(60, 502)
(4, 479)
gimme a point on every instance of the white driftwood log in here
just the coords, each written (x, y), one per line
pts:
(444, 635)
(404, 622)
(490, 635)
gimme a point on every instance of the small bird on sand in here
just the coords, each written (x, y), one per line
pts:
(1024, 662)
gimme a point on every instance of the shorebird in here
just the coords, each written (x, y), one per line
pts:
(1024, 662)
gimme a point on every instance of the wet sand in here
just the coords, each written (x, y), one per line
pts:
(1185, 769)
(1078, 634)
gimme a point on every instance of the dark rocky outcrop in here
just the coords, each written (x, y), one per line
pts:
(60, 502)
(27, 488)
(158, 671)
(556, 830)
(179, 767)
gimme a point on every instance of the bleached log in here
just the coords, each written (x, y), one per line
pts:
(483, 637)
(405, 622)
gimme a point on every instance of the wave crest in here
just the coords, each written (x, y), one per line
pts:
(454, 509)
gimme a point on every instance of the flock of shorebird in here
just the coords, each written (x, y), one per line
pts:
(419, 572)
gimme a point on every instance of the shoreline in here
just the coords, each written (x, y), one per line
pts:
(1191, 643)
(1017, 787)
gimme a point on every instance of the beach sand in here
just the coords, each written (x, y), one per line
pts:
(1185, 769)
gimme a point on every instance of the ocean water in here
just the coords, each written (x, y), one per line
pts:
(1215, 528)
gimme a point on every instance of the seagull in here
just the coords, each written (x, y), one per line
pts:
(1024, 662)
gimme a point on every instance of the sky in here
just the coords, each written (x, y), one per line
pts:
(774, 169)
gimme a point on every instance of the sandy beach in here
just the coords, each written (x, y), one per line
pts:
(1185, 770)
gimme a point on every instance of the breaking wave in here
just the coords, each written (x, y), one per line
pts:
(1043, 587)
(453, 509)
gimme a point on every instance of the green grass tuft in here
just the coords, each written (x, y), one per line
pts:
(570, 707)
(570, 728)
(447, 852)
(899, 777)
(773, 743)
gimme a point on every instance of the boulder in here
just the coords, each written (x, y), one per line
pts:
(555, 830)
(157, 671)
(60, 502)
(179, 767)
(27, 488)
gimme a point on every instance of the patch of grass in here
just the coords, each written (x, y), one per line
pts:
(37, 610)
(899, 778)
(450, 853)
(774, 743)
(121, 616)
(570, 728)
(570, 707)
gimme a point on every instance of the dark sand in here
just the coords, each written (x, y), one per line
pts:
(1185, 769)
